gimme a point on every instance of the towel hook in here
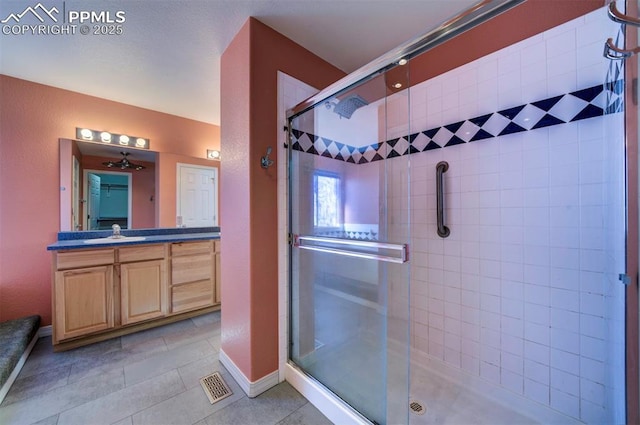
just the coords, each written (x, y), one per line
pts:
(616, 16)
(265, 162)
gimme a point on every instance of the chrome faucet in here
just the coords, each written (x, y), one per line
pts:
(116, 231)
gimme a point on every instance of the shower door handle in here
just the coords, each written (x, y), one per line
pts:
(380, 251)
(441, 168)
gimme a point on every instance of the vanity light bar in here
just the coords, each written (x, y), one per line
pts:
(105, 137)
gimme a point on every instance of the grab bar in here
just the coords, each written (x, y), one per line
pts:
(299, 242)
(611, 51)
(616, 16)
(441, 168)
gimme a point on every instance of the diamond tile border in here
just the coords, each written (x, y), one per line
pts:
(570, 107)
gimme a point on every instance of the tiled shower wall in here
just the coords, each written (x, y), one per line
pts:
(523, 291)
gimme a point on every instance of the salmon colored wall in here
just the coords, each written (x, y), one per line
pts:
(167, 184)
(523, 21)
(33, 117)
(143, 183)
(234, 202)
(249, 195)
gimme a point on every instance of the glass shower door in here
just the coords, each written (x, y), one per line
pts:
(349, 263)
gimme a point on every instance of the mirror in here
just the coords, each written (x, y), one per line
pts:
(94, 196)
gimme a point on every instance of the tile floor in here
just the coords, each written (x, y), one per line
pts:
(150, 377)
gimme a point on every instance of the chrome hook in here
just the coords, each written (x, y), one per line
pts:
(265, 162)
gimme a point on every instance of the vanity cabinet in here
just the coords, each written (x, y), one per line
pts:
(143, 283)
(193, 272)
(83, 293)
(83, 301)
(106, 292)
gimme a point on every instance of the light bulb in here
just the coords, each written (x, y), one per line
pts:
(124, 140)
(86, 134)
(105, 137)
(140, 142)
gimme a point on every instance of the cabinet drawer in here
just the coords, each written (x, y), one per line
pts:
(190, 248)
(141, 253)
(191, 296)
(84, 258)
(191, 268)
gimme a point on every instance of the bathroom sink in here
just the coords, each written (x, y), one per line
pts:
(111, 239)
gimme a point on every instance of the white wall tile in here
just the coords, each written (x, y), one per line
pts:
(537, 313)
(565, 361)
(536, 391)
(565, 382)
(592, 304)
(537, 352)
(566, 403)
(470, 364)
(513, 344)
(593, 412)
(537, 372)
(516, 294)
(512, 381)
(592, 369)
(565, 340)
(565, 319)
(593, 348)
(534, 332)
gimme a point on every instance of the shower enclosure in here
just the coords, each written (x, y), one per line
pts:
(457, 238)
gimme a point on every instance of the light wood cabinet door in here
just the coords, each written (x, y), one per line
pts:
(83, 301)
(143, 291)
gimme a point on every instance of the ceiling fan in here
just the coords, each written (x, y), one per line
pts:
(123, 163)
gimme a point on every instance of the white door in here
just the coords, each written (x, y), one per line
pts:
(93, 201)
(75, 195)
(197, 196)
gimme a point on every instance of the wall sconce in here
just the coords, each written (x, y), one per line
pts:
(106, 137)
(213, 154)
(265, 162)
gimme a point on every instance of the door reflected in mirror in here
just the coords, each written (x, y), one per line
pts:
(107, 198)
(153, 194)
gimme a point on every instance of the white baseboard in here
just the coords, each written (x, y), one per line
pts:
(333, 408)
(252, 389)
(45, 331)
(16, 370)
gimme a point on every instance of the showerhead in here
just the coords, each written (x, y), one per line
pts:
(348, 105)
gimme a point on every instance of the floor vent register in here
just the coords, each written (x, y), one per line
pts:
(215, 387)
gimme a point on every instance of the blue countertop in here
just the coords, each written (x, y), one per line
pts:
(75, 240)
